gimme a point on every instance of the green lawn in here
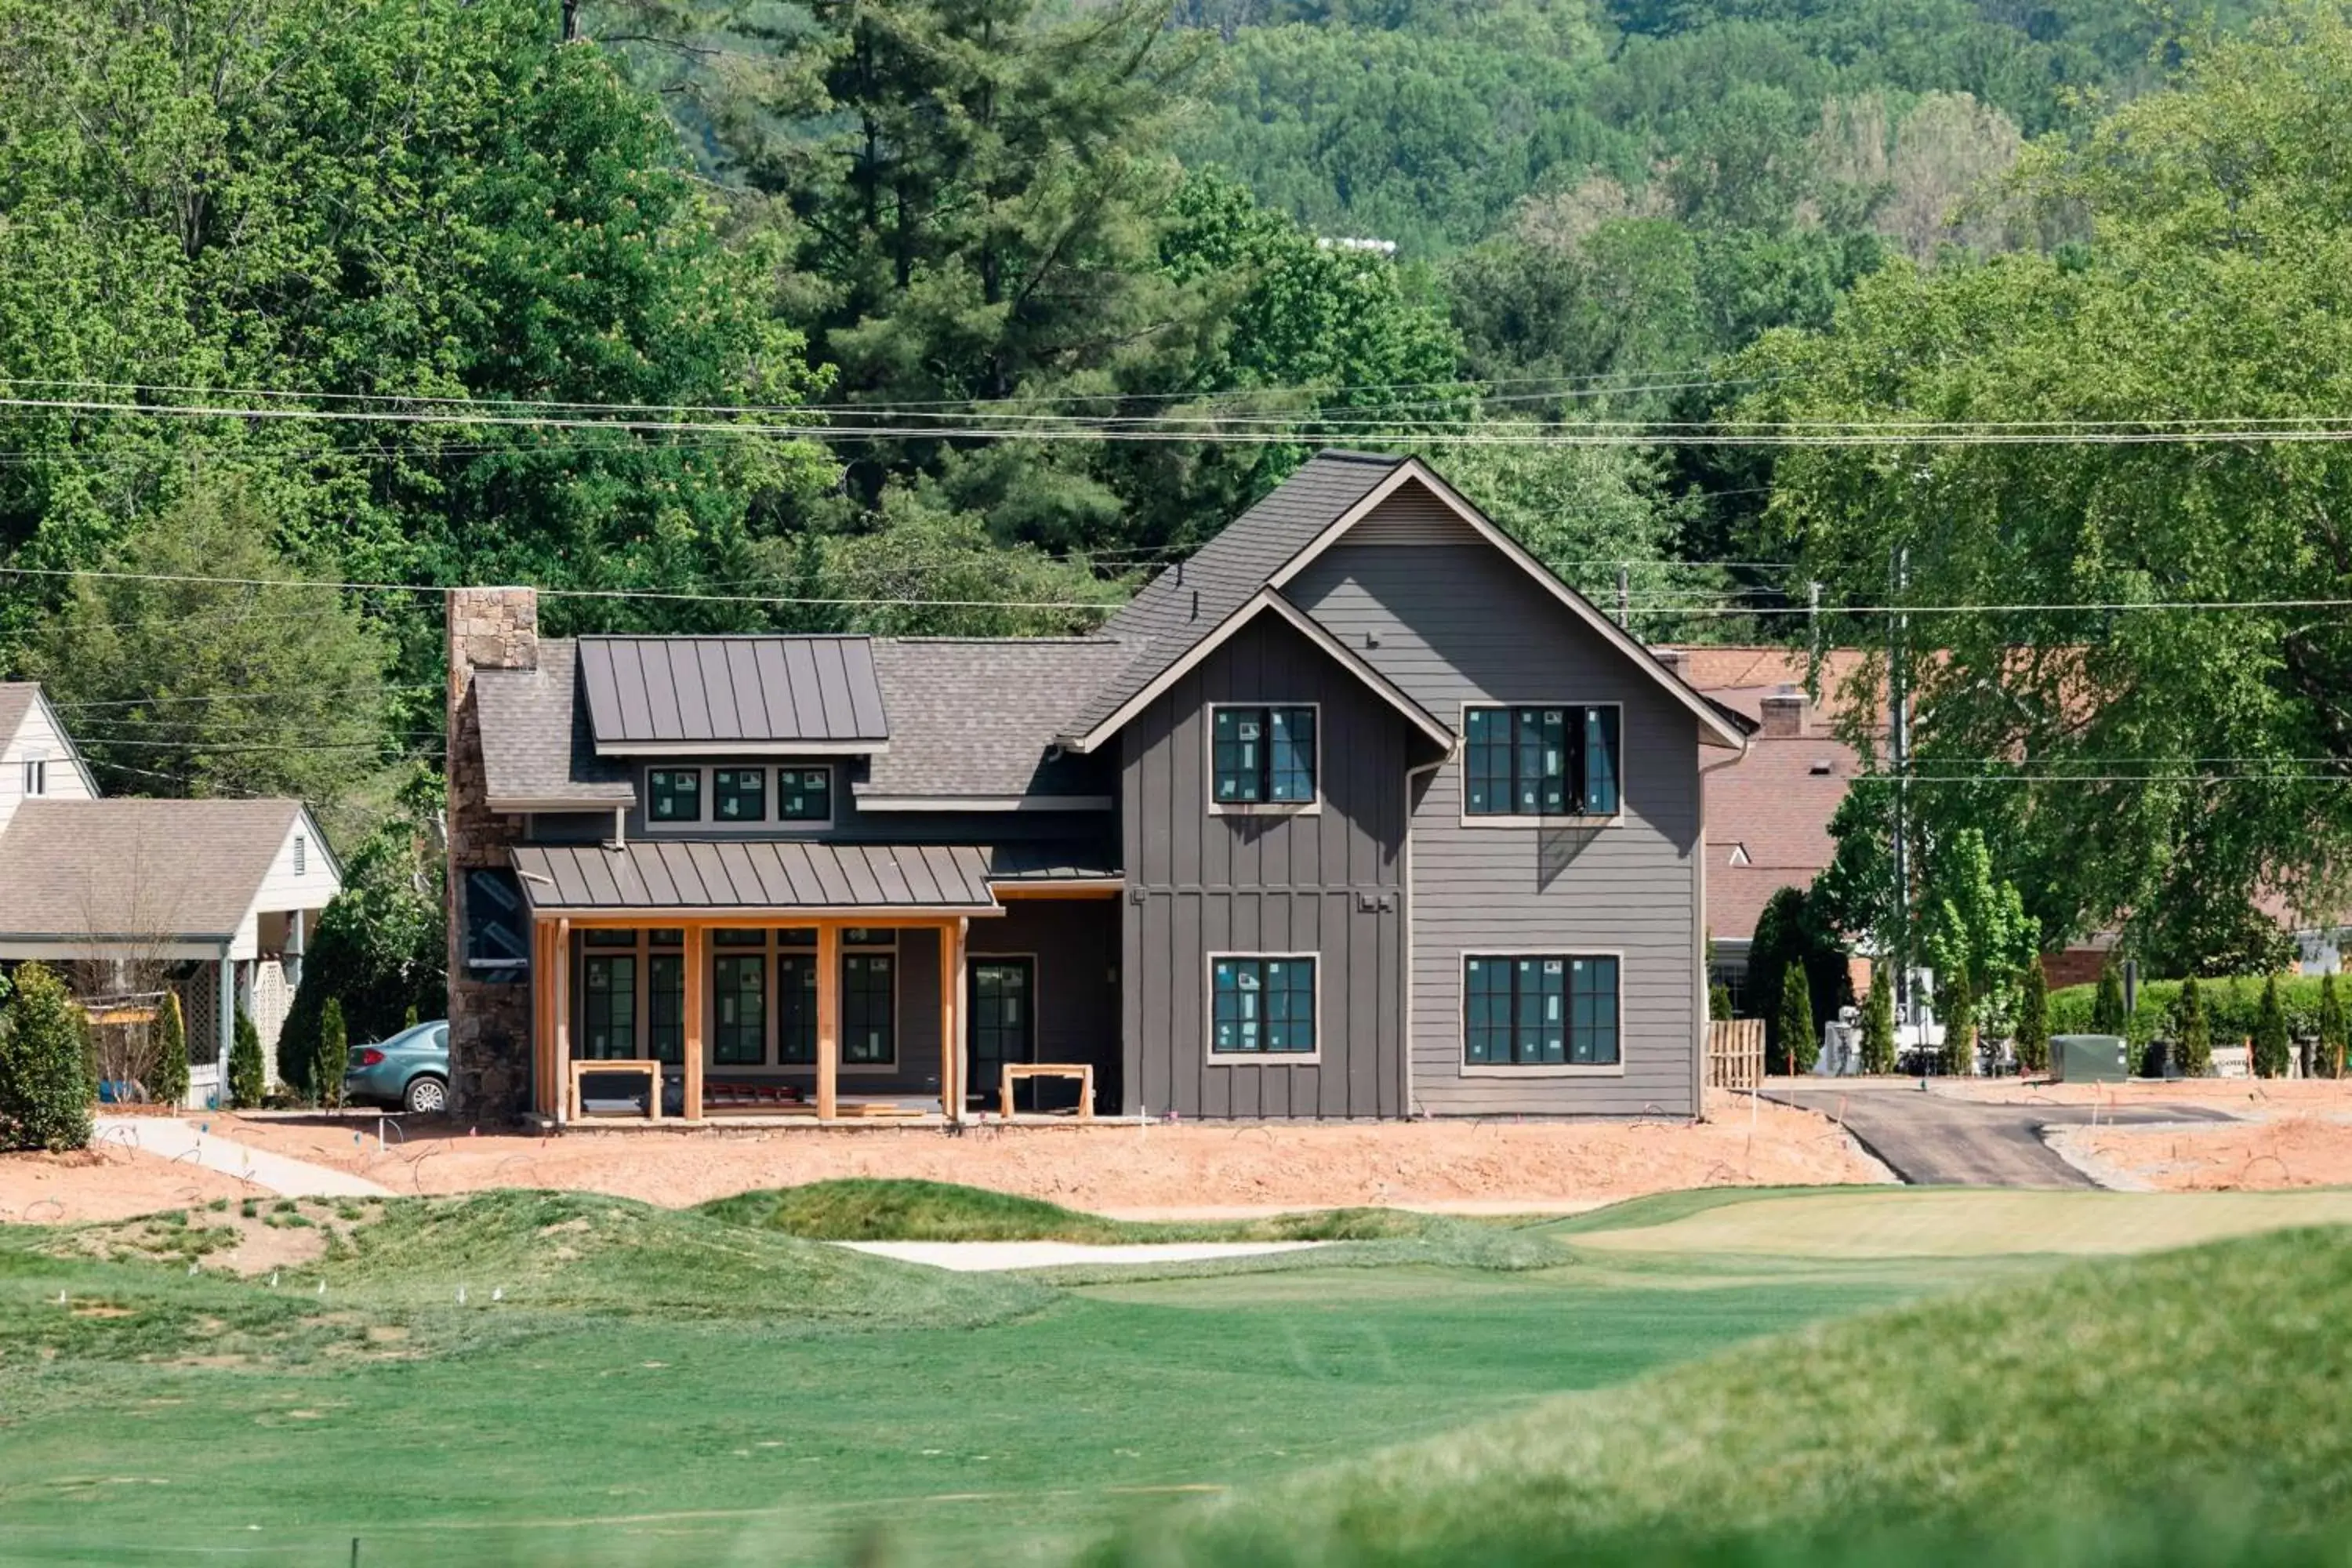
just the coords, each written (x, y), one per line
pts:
(665, 1388)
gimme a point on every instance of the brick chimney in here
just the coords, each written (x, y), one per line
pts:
(1783, 711)
(1673, 658)
(489, 1012)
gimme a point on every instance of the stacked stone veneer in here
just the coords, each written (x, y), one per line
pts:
(490, 1022)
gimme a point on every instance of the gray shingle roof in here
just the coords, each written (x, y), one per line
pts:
(1183, 604)
(137, 869)
(536, 744)
(695, 689)
(16, 702)
(973, 716)
(755, 875)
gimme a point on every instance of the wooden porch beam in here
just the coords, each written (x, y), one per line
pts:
(765, 919)
(829, 1018)
(696, 964)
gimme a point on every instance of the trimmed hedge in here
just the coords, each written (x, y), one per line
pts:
(2230, 1008)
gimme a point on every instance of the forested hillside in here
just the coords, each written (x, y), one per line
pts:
(938, 315)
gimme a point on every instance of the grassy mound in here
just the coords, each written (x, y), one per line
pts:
(2202, 1385)
(874, 1209)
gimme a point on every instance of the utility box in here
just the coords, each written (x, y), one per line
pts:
(2089, 1059)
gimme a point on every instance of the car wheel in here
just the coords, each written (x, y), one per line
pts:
(427, 1095)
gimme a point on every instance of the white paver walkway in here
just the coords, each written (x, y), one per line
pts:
(988, 1257)
(178, 1137)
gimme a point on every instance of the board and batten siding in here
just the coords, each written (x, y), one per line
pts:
(1329, 882)
(1453, 621)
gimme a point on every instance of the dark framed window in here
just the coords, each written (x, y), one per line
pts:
(498, 928)
(869, 996)
(608, 1010)
(1548, 760)
(796, 1009)
(37, 780)
(1262, 1006)
(729, 936)
(739, 794)
(1262, 755)
(869, 936)
(1539, 1010)
(666, 1007)
(739, 1035)
(674, 795)
(604, 936)
(803, 794)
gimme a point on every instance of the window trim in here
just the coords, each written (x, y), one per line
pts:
(37, 776)
(1209, 1051)
(1312, 806)
(771, 824)
(1549, 1070)
(1523, 819)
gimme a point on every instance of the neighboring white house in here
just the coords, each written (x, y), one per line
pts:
(213, 897)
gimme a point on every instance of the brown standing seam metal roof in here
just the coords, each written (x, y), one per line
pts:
(187, 870)
(698, 690)
(536, 744)
(755, 875)
(1160, 623)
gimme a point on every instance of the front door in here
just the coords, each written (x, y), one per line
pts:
(1000, 997)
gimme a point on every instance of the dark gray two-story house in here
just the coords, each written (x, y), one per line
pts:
(1356, 812)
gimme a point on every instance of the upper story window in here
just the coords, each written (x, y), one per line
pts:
(805, 794)
(36, 775)
(739, 794)
(1550, 759)
(1262, 755)
(674, 795)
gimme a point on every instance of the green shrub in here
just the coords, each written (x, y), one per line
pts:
(246, 1083)
(1878, 1023)
(2107, 1007)
(334, 1053)
(2330, 1060)
(168, 1077)
(2192, 1036)
(1800, 1044)
(1718, 1001)
(2230, 1009)
(1959, 1027)
(2272, 1047)
(48, 1087)
(2032, 1037)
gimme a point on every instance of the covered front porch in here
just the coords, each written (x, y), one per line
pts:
(892, 984)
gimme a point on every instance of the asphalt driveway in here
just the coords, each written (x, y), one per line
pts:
(1929, 1140)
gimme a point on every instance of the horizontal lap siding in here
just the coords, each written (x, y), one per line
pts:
(1456, 622)
(1202, 884)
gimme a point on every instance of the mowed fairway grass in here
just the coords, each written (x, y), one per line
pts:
(657, 1387)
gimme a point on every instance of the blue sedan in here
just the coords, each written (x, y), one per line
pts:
(410, 1071)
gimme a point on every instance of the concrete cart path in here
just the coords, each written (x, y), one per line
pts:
(1931, 1141)
(990, 1256)
(177, 1138)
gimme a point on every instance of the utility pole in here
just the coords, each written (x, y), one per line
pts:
(1625, 594)
(1898, 737)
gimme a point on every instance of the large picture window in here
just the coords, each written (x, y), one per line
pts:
(674, 795)
(1262, 757)
(1547, 760)
(869, 994)
(739, 1035)
(1539, 1010)
(1262, 1006)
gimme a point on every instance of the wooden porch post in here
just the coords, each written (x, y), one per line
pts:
(951, 1019)
(828, 1018)
(698, 1008)
(562, 968)
(545, 1070)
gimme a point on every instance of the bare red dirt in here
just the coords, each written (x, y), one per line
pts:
(104, 1184)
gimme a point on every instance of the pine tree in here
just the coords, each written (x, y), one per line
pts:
(2194, 1037)
(167, 1080)
(2032, 1037)
(1878, 1023)
(2107, 1007)
(334, 1053)
(1800, 1045)
(247, 1085)
(48, 1087)
(2271, 1047)
(2331, 1030)
(1718, 1001)
(1960, 1027)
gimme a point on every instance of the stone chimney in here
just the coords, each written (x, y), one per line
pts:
(1784, 712)
(490, 1011)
